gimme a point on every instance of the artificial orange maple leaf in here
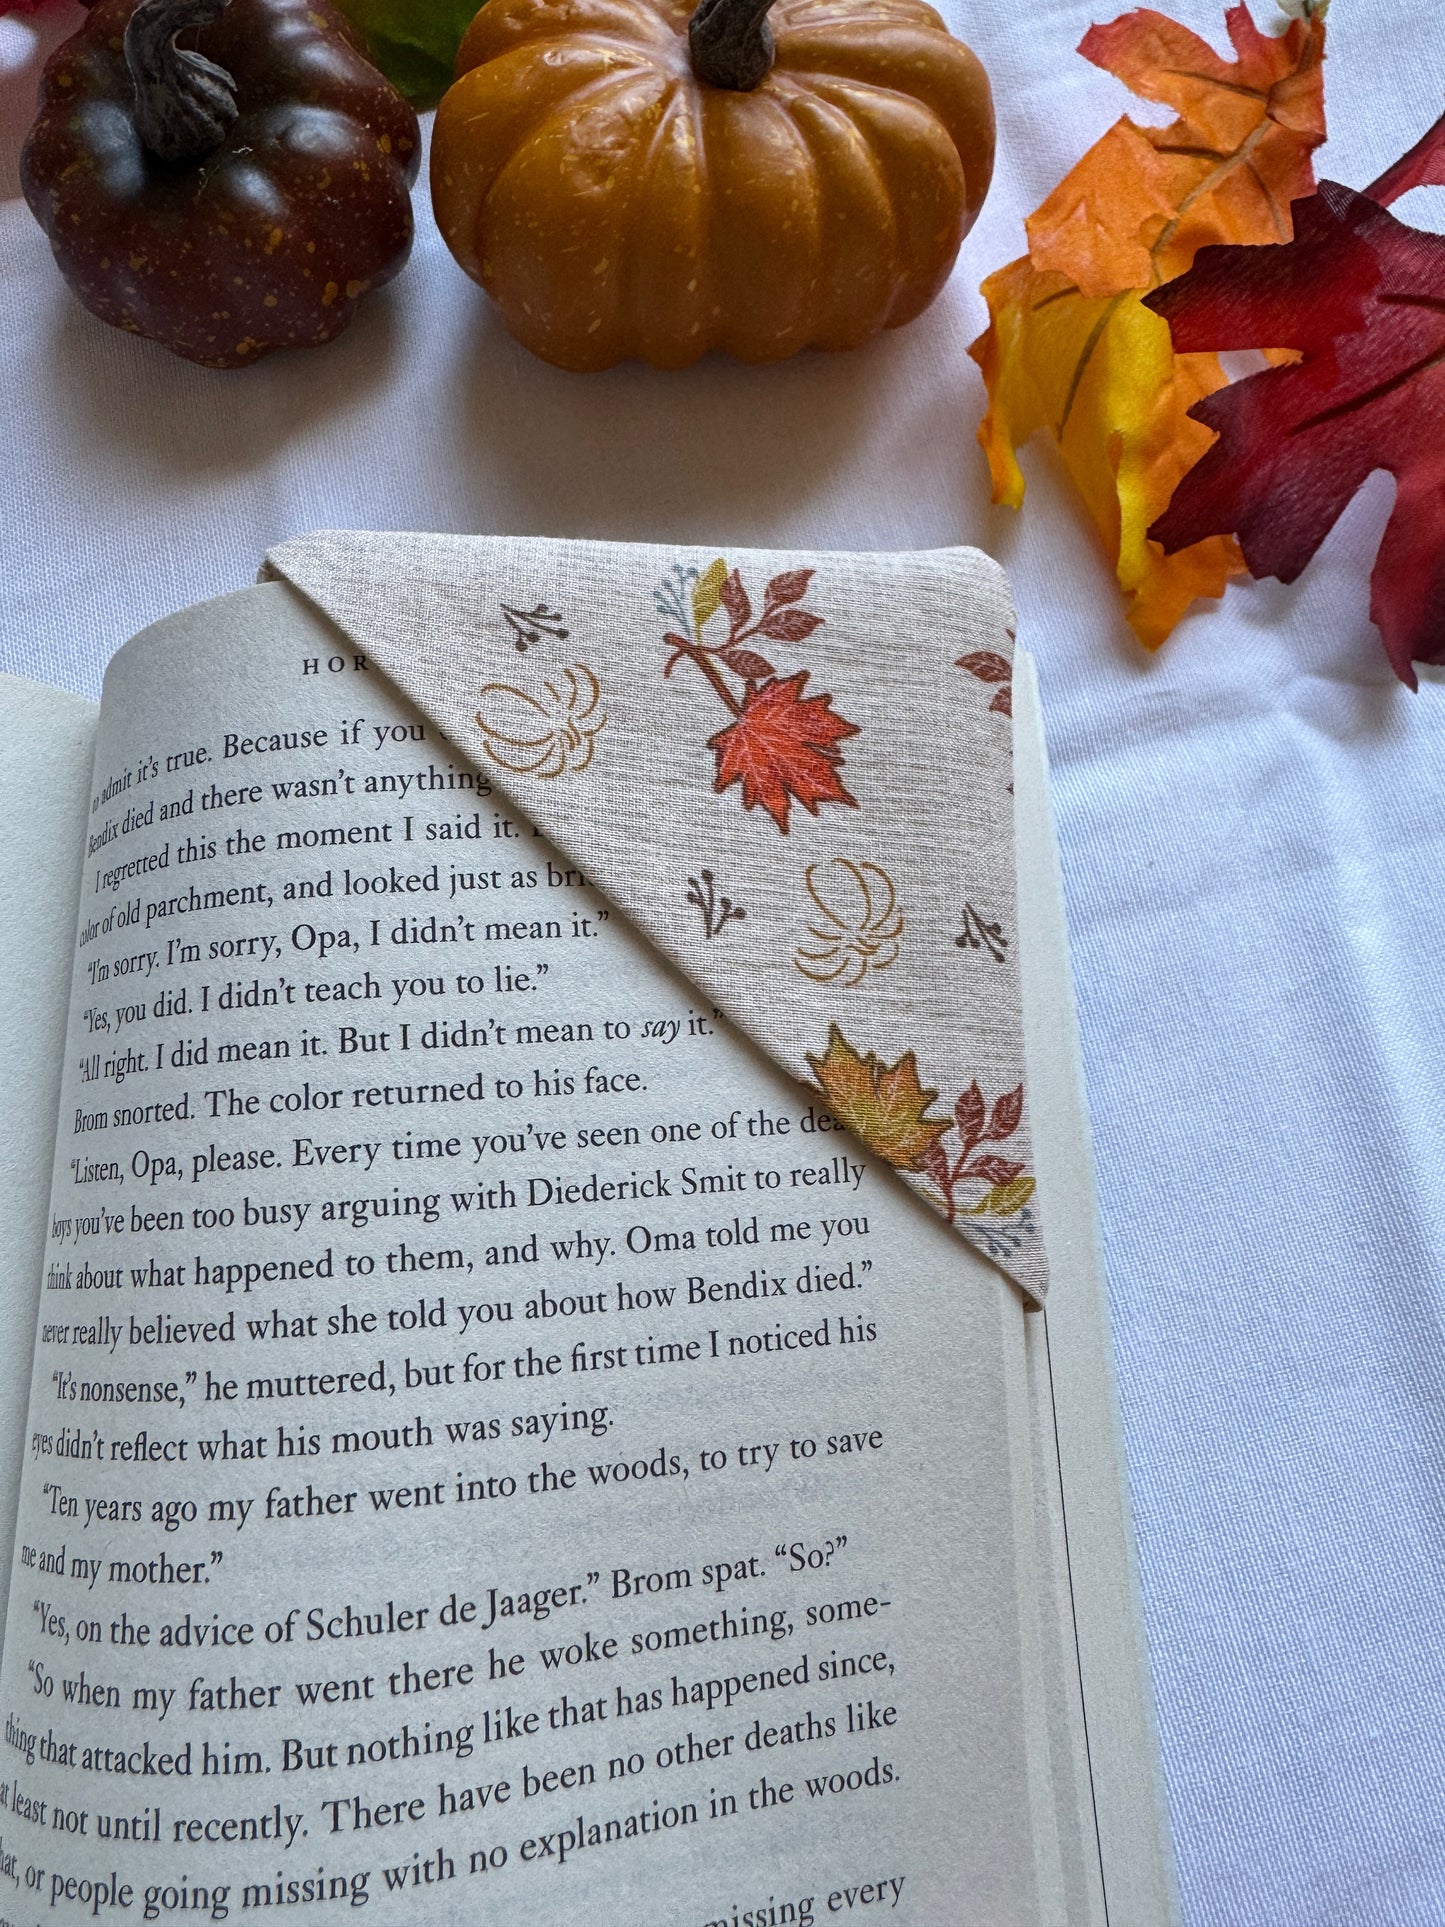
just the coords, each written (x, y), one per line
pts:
(1069, 346)
(883, 1104)
(782, 747)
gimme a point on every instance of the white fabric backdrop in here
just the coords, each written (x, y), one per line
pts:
(1252, 845)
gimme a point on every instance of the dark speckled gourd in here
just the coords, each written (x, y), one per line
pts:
(233, 194)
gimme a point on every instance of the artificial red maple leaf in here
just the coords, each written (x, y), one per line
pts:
(783, 746)
(1362, 297)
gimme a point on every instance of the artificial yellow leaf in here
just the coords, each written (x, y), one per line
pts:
(1071, 350)
(1101, 377)
(884, 1105)
(707, 591)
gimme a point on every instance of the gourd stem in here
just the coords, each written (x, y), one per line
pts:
(731, 43)
(184, 103)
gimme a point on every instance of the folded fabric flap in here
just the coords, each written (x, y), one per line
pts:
(793, 773)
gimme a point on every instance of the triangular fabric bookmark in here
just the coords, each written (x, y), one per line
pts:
(791, 771)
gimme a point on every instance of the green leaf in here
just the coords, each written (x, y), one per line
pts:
(707, 594)
(414, 42)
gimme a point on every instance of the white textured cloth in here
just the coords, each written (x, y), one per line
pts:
(1252, 844)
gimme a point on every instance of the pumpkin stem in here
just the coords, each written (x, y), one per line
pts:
(731, 43)
(184, 103)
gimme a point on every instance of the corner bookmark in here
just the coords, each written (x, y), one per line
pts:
(792, 772)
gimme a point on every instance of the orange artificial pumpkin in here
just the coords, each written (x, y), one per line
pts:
(625, 180)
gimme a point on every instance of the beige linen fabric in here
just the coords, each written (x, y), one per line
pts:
(792, 771)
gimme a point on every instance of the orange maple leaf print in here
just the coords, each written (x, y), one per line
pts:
(883, 1104)
(783, 748)
(783, 745)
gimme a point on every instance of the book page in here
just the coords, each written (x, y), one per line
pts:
(494, 1446)
(44, 781)
(1106, 1760)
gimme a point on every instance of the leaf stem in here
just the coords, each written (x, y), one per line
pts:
(695, 654)
(1227, 163)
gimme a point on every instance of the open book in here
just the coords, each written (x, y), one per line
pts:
(482, 1442)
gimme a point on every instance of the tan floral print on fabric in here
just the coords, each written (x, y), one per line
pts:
(792, 771)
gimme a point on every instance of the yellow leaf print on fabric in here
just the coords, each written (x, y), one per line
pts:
(707, 591)
(883, 1104)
